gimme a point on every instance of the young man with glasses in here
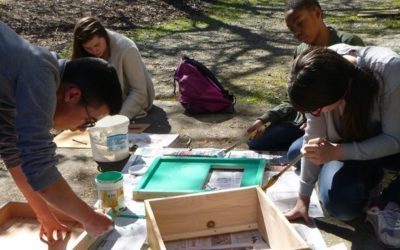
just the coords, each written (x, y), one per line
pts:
(38, 93)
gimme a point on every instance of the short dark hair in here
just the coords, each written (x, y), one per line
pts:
(301, 4)
(85, 29)
(97, 80)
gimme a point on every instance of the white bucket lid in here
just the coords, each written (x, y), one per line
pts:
(112, 120)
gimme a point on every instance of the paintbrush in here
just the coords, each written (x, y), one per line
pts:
(243, 139)
(247, 136)
(274, 178)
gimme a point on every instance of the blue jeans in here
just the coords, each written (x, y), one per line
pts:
(294, 150)
(345, 186)
(277, 137)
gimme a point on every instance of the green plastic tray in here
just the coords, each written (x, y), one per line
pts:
(168, 176)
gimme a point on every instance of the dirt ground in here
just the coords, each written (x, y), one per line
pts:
(50, 23)
(256, 49)
(240, 52)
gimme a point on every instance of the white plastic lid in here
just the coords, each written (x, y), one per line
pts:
(138, 169)
(112, 120)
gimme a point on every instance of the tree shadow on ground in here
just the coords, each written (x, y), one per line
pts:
(265, 46)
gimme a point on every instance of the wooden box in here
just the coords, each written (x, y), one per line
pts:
(19, 229)
(219, 212)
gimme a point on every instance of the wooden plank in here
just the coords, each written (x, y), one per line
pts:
(23, 233)
(210, 232)
(262, 228)
(193, 213)
(281, 235)
(19, 229)
(144, 195)
(389, 13)
(153, 233)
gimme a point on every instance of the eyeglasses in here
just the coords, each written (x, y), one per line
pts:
(316, 112)
(91, 121)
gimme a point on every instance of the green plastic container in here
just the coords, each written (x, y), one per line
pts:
(110, 190)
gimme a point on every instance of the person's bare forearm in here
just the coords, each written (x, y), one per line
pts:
(60, 196)
(36, 202)
(49, 223)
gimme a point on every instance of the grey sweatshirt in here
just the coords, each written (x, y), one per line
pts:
(137, 86)
(386, 66)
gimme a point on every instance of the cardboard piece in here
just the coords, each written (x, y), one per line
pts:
(72, 139)
(219, 212)
(19, 229)
(78, 139)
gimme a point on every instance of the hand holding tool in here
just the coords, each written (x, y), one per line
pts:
(274, 178)
(247, 136)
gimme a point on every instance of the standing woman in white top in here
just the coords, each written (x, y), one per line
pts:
(92, 39)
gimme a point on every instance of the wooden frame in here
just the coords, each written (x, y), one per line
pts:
(19, 229)
(219, 212)
(171, 176)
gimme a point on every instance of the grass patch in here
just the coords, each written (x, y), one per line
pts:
(392, 23)
(266, 87)
(226, 11)
(355, 24)
(168, 28)
(374, 22)
(229, 11)
(65, 53)
(374, 25)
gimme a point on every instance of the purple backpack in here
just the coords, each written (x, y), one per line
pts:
(200, 91)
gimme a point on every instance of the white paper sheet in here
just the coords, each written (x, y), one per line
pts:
(285, 191)
(128, 233)
(151, 140)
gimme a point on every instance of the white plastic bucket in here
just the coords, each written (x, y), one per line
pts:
(110, 190)
(109, 139)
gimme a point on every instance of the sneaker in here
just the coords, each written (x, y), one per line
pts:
(386, 224)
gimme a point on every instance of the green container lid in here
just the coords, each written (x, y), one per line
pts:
(110, 177)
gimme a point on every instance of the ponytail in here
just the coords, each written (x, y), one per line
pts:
(360, 98)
